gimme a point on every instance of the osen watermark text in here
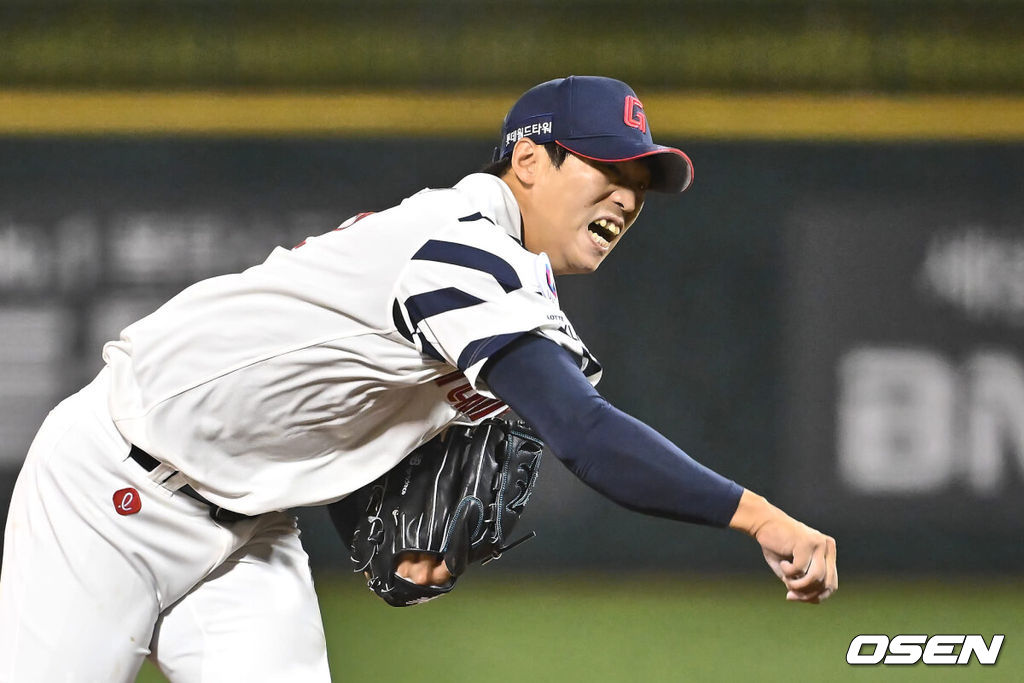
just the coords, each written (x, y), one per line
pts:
(947, 649)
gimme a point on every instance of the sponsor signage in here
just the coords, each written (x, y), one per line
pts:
(905, 360)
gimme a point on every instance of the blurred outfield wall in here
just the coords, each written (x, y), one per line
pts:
(753, 45)
(833, 315)
(819, 321)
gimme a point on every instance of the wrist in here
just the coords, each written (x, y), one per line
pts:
(751, 513)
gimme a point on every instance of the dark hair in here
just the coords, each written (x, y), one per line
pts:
(556, 153)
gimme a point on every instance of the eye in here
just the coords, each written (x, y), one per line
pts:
(622, 174)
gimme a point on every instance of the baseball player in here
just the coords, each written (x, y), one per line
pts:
(149, 517)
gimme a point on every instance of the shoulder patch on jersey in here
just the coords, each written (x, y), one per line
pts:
(546, 278)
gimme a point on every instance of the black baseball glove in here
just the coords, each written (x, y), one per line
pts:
(458, 496)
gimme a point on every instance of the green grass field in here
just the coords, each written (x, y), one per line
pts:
(502, 627)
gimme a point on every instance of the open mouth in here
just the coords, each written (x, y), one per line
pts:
(603, 232)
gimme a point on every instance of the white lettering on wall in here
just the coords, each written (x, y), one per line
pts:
(978, 271)
(911, 421)
(995, 419)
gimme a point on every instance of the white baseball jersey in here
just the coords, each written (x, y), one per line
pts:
(301, 379)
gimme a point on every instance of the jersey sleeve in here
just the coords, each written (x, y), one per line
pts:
(471, 290)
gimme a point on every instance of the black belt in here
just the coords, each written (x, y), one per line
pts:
(219, 514)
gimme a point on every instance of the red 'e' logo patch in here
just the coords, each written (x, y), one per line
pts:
(127, 501)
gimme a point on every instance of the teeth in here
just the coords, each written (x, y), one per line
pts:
(598, 240)
(607, 225)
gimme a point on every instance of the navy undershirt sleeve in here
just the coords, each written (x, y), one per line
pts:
(617, 455)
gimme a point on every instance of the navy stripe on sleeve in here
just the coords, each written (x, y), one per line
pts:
(483, 348)
(472, 218)
(396, 316)
(439, 301)
(471, 257)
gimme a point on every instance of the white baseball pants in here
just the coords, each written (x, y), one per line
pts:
(103, 566)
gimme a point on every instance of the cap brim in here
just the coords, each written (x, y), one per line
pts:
(671, 169)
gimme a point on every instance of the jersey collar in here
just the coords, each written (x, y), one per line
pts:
(495, 200)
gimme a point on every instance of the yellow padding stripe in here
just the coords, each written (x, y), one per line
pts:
(680, 116)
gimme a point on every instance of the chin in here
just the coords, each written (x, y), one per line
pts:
(583, 269)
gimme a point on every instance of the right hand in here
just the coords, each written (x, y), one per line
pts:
(425, 569)
(803, 558)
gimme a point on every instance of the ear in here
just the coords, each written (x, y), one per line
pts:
(526, 161)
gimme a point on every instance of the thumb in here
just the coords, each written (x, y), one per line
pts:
(456, 554)
(774, 562)
(777, 546)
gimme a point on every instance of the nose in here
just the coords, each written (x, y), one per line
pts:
(626, 198)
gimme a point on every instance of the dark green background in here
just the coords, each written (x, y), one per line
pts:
(688, 316)
(965, 46)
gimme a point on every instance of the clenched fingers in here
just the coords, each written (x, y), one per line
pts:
(820, 578)
(425, 569)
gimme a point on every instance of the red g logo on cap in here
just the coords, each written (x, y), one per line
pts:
(634, 115)
(127, 501)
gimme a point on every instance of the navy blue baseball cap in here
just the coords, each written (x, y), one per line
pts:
(596, 118)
